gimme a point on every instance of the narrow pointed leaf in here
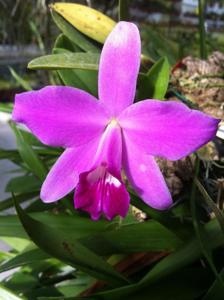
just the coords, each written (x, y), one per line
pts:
(24, 258)
(23, 83)
(187, 254)
(83, 61)
(8, 295)
(64, 247)
(155, 83)
(28, 155)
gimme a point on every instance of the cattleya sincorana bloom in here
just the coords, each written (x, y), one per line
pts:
(103, 137)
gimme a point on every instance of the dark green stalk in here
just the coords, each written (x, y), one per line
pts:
(123, 11)
(199, 229)
(202, 33)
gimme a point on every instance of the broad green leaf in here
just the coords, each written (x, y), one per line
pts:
(140, 237)
(185, 255)
(73, 34)
(66, 248)
(10, 226)
(28, 155)
(77, 226)
(6, 294)
(155, 83)
(24, 258)
(83, 61)
(83, 79)
(21, 282)
(99, 236)
(187, 284)
(23, 184)
(180, 228)
(63, 43)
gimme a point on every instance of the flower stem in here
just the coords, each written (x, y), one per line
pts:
(202, 33)
(123, 10)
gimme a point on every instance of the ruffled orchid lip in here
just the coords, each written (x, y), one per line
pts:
(99, 192)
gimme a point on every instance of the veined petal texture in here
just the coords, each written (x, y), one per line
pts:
(61, 116)
(145, 177)
(167, 129)
(119, 66)
(64, 175)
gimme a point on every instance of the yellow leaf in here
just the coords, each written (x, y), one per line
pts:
(89, 21)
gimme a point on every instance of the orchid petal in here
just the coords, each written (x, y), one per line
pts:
(64, 175)
(61, 116)
(109, 150)
(167, 129)
(119, 66)
(101, 189)
(99, 192)
(145, 177)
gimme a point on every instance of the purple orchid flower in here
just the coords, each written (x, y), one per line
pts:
(113, 134)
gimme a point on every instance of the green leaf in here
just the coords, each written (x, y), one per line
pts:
(10, 226)
(7, 203)
(187, 284)
(100, 236)
(218, 213)
(31, 139)
(24, 258)
(155, 83)
(23, 184)
(83, 79)
(6, 107)
(74, 35)
(63, 43)
(185, 255)
(16, 243)
(65, 247)
(180, 228)
(12, 155)
(8, 295)
(28, 155)
(140, 237)
(23, 83)
(216, 290)
(83, 61)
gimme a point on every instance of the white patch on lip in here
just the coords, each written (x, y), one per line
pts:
(143, 168)
(113, 180)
